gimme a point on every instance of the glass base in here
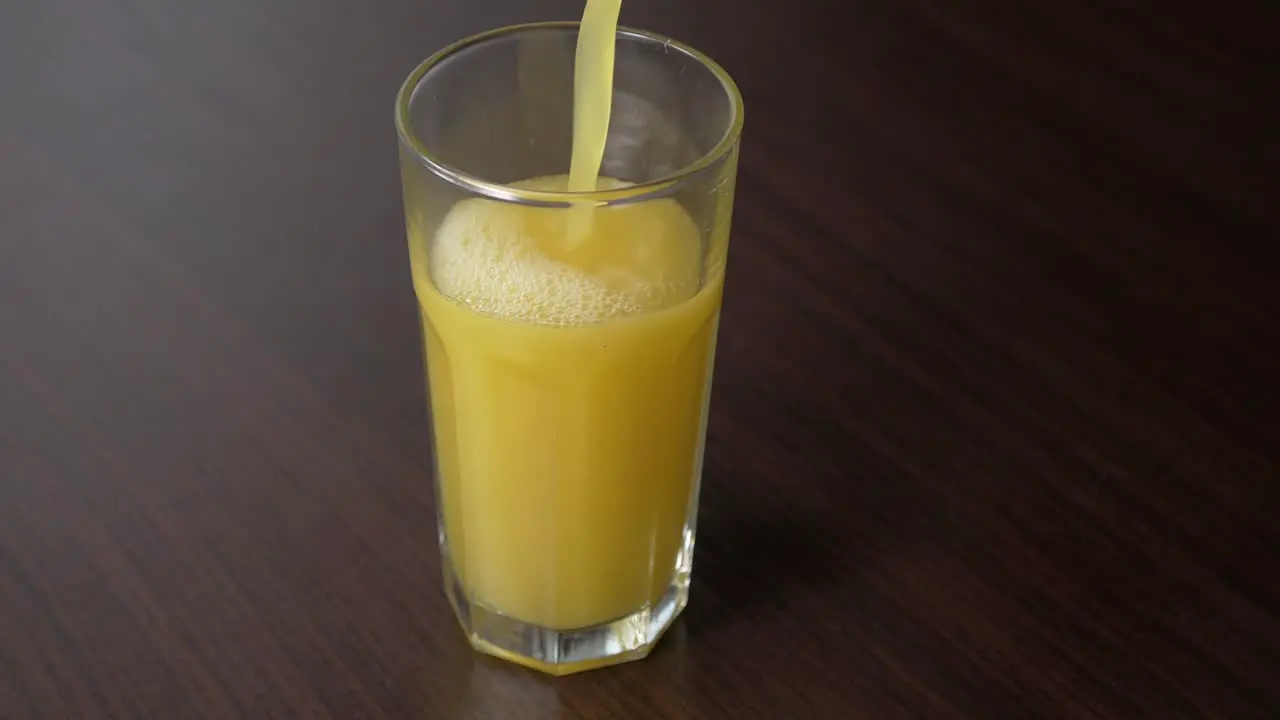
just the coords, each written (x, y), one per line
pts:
(564, 652)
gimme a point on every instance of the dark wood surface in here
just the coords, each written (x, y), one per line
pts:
(996, 425)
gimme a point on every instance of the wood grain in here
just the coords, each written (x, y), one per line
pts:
(995, 433)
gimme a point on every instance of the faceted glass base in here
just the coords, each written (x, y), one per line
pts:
(563, 652)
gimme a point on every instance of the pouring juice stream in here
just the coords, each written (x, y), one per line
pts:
(592, 91)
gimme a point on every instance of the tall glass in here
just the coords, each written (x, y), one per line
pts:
(568, 380)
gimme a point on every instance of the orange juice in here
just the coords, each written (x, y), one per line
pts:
(569, 380)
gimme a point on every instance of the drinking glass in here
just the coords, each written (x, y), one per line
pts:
(567, 423)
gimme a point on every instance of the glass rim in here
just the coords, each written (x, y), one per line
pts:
(631, 193)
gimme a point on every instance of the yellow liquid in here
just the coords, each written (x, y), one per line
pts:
(592, 105)
(568, 384)
(592, 91)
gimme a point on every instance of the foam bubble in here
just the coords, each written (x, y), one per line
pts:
(509, 261)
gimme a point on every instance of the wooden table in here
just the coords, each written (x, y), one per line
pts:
(996, 425)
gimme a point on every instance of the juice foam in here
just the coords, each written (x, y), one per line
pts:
(513, 262)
